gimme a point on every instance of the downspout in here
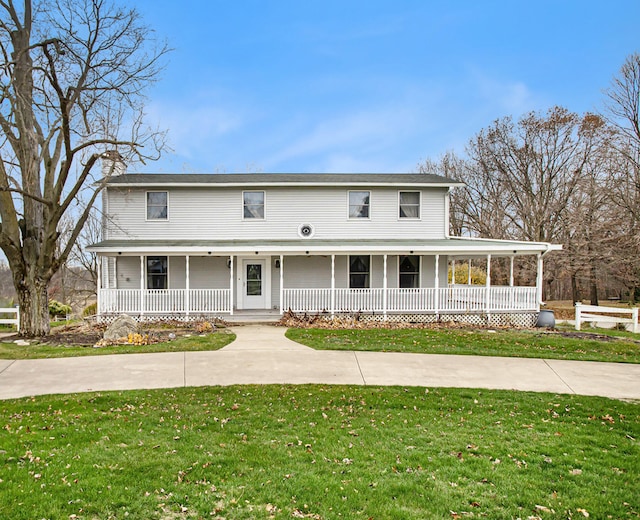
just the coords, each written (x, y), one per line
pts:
(447, 206)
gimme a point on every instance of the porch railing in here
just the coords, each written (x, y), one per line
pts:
(455, 299)
(164, 301)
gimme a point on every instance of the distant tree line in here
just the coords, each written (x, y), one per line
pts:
(564, 178)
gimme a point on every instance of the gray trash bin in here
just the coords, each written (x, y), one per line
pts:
(546, 318)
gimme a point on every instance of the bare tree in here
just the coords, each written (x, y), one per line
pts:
(522, 179)
(623, 101)
(623, 113)
(86, 261)
(453, 167)
(590, 232)
(530, 170)
(72, 75)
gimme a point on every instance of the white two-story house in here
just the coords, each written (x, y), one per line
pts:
(191, 245)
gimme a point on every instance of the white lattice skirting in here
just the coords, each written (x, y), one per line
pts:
(508, 319)
(162, 318)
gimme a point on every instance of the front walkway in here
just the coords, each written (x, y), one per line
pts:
(262, 355)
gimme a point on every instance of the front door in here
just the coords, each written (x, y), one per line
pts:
(254, 284)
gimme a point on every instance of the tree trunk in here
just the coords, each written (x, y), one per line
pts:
(34, 309)
(575, 292)
(594, 284)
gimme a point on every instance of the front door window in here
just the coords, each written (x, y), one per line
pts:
(254, 279)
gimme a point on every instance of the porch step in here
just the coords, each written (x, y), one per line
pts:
(253, 316)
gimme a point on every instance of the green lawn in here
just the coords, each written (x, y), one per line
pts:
(319, 452)
(213, 341)
(616, 347)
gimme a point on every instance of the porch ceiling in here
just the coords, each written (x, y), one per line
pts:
(454, 247)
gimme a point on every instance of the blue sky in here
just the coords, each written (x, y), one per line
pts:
(368, 86)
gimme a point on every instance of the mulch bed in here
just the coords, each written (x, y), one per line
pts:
(72, 335)
(88, 334)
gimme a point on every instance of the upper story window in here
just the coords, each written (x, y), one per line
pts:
(409, 204)
(157, 205)
(253, 204)
(359, 271)
(409, 272)
(157, 272)
(359, 202)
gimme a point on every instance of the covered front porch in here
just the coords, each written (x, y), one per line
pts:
(386, 280)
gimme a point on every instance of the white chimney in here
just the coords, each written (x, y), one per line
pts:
(113, 164)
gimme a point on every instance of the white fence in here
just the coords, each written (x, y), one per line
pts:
(601, 315)
(10, 321)
(458, 299)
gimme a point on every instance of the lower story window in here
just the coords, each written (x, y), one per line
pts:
(409, 272)
(359, 271)
(157, 272)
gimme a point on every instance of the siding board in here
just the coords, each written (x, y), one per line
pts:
(210, 213)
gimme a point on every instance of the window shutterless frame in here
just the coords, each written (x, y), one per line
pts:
(254, 205)
(359, 271)
(358, 204)
(157, 272)
(156, 205)
(410, 205)
(409, 268)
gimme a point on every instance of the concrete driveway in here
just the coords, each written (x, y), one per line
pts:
(262, 355)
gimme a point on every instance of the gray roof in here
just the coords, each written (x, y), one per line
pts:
(279, 179)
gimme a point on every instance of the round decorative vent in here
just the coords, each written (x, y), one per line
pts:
(305, 230)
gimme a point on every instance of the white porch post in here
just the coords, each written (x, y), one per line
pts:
(281, 283)
(187, 299)
(231, 285)
(384, 288)
(539, 280)
(511, 273)
(141, 285)
(436, 284)
(453, 271)
(333, 284)
(511, 290)
(99, 284)
(488, 285)
(469, 271)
